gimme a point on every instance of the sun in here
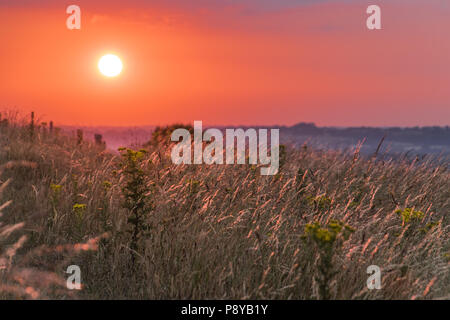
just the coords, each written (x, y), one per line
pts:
(110, 65)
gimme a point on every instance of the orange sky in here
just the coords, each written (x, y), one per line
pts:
(228, 63)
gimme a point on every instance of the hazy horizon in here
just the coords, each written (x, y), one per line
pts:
(246, 125)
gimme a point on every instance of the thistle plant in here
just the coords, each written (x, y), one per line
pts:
(135, 192)
(409, 215)
(79, 212)
(328, 240)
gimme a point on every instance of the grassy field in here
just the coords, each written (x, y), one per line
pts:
(140, 227)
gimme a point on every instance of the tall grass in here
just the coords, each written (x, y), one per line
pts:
(226, 232)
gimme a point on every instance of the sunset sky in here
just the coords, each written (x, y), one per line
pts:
(228, 62)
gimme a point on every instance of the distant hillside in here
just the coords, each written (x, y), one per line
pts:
(415, 140)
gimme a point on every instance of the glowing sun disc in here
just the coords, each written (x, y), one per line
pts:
(110, 65)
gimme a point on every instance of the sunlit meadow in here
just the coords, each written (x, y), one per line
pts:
(140, 227)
